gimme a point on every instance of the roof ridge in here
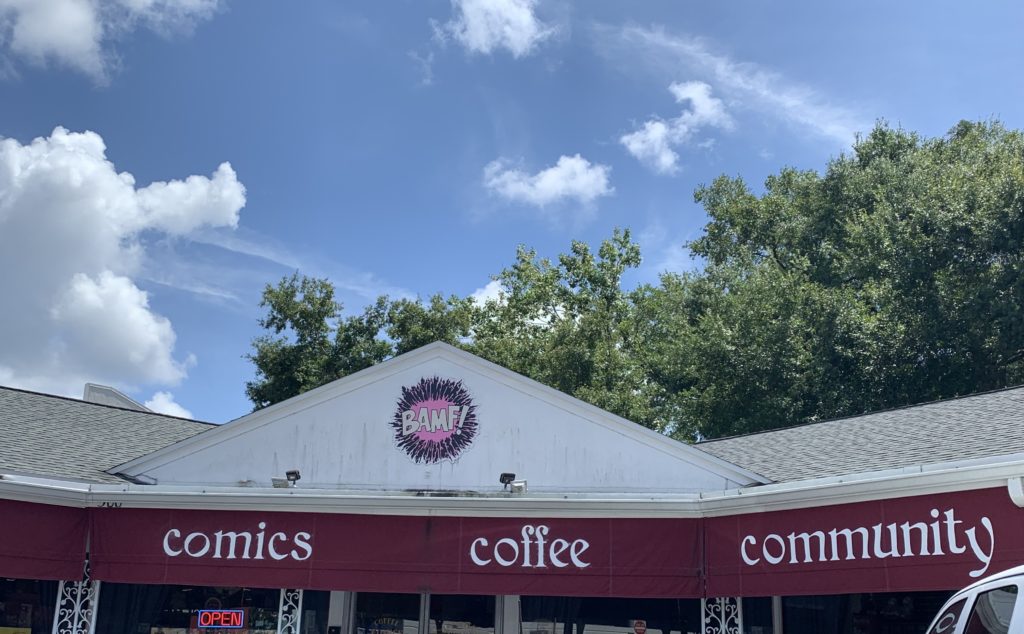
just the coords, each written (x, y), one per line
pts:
(83, 402)
(897, 408)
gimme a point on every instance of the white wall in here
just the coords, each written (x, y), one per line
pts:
(345, 440)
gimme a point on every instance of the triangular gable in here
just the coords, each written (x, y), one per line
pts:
(437, 419)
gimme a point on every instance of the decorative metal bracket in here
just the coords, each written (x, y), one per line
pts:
(77, 603)
(721, 615)
(289, 613)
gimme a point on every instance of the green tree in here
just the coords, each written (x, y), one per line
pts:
(571, 325)
(894, 278)
(567, 324)
(308, 343)
(412, 324)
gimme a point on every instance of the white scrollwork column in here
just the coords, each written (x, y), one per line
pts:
(289, 613)
(721, 615)
(77, 603)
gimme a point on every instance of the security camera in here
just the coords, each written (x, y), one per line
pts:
(506, 478)
(293, 475)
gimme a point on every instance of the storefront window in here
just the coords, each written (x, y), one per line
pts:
(757, 615)
(26, 606)
(152, 609)
(888, 613)
(315, 606)
(461, 614)
(379, 613)
(573, 615)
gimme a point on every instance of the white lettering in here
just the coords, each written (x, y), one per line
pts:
(541, 532)
(497, 551)
(951, 523)
(984, 557)
(233, 537)
(893, 546)
(743, 550)
(167, 543)
(848, 534)
(259, 540)
(936, 537)
(270, 546)
(527, 532)
(479, 541)
(192, 537)
(302, 541)
(579, 547)
(439, 420)
(558, 547)
(238, 544)
(772, 559)
(908, 547)
(531, 549)
(408, 422)
(880, 541)
(806, 539)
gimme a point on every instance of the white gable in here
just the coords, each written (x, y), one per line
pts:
(439, 419)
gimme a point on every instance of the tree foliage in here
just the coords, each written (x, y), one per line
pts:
(893, 278)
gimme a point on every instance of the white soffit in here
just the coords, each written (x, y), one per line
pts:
(349, 434)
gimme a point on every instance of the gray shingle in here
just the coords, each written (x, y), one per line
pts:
(52, 436)
(978, 426)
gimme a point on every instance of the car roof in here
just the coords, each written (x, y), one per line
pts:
(1006, 574)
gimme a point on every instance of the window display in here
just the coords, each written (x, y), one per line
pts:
(461, 614)
(575, 615)
(151, 609)
(757, 615)
(380, 613)
(26, 606)
(880, 613)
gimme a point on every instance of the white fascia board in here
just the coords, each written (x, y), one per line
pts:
(813, 496)
(923, 480)
(44, 491)
(512, 380)
(267, 415)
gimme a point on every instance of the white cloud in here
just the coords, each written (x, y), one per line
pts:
(163, 402)
(77, 33)
(483, 26)
(748, 85)
(573, 177)
(664, 251)
(491, 292)
(364, 284)
(70, 249)
(426, 66)
(654, 143)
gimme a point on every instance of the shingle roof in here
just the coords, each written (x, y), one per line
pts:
(969, 427)
(62, 437)
(53, 436)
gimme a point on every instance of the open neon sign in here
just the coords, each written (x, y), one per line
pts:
(222, 618)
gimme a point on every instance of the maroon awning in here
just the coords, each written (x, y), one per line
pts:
(42, 541)
(929, 542)
(572, 557)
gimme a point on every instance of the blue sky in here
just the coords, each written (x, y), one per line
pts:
(407, 148)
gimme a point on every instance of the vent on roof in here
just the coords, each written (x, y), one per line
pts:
(105, 395)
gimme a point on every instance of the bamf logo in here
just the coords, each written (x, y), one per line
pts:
(435, 420)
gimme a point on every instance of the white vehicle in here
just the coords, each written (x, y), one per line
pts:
(989, 606)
